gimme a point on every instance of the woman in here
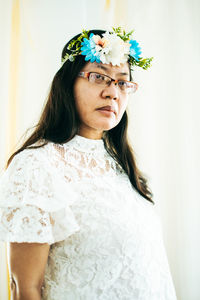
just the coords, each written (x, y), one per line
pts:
(76, 212)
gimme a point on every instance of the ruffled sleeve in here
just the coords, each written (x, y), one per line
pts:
(35, 201)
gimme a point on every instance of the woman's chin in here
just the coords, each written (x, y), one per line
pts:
(100, 127)
(107, 126)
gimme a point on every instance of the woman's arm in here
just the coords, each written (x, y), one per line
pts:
(27, 263)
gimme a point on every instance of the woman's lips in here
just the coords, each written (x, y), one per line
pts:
(107, 109)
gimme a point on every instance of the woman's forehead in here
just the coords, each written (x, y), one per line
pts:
(123, 69)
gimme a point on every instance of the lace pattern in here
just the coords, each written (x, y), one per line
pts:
(34, 202)
(106, 240)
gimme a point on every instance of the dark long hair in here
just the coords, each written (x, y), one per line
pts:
(59, 123)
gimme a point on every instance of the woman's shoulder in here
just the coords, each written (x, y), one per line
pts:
(34, 199)
(32, 174)
(28, 162)
(37, 152)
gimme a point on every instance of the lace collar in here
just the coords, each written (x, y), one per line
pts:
(85, 144)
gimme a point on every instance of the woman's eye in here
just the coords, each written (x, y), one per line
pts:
(122, 83)
(95, 77)
(100, 77)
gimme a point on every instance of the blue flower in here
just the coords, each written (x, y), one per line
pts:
(135, 50)
(89, 49)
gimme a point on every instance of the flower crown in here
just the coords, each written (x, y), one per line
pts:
(114, 47)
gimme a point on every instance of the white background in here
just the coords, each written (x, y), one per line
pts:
(164, 113)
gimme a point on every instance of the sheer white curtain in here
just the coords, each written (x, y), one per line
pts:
(164, 114)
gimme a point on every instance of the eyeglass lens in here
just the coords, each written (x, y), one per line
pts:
(105, 80)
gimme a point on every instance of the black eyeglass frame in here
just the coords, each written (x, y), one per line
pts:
(87, 75)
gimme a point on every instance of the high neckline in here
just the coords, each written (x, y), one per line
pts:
(86, 145)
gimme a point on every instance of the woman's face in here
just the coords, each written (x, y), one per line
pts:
(100, 108)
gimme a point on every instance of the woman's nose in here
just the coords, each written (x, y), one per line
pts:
(111, 91)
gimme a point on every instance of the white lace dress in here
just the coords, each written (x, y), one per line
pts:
(106, 239)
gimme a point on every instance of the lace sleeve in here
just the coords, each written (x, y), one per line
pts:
(34, 202)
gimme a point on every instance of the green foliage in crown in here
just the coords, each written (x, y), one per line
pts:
(103, 49)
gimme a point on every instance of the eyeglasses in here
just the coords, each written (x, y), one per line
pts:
(104, 80)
